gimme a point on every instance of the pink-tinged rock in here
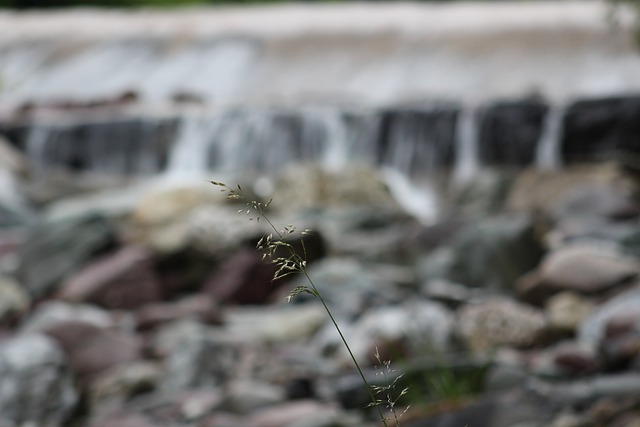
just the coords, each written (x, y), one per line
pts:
(586, 269)
(575, 360)
(125, 420)
(92, 350)
(288, 413)
(122, 280)
(200, 307)
(242, 279)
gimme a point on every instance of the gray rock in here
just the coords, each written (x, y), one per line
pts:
(14, 300)
(37, 384)
(586, 269)
(592, 330)
(51, 313)
(55, 249)
(346, 284)
(200, 358)
(417, 326)
(246, 396)
(500, 321)
(567, 310)
(275, 324)
(123, 382)
(489, 253)
(485, 194)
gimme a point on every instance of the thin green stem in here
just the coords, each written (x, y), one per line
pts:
(303, 270)
(347, 346)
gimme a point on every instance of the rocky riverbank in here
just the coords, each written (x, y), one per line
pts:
(147, 304)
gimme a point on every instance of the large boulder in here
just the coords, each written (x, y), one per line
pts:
(500, 322)
(409, 329)
(586, 269)
(490, 253)
(37, 385)
(122, 280)
(55, 249)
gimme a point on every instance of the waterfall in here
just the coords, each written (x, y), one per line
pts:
(104, 147)
(263, 140)
(467, 160)
(548, 151)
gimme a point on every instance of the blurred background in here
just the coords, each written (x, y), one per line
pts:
(469, 171)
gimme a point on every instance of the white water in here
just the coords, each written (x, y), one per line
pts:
(467, 160)
(548, 156)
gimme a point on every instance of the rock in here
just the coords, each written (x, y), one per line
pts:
(37, 384)
(574, 358)
(166, 205)
(499, 321)
(489, 253)
(602, 129)
(510, 132)
(275, 325)
(122, 382)
(485, 195)
(54, 250)
(586, 269)
(210, 230)
(244, 278)
(582, 391)
(245, 396)
(199, 307)
(413, 326)
(10, 242)
(121, 280)
(567, 310)
(347, 285)
(124, 420)
(93, 350)
(11, 159)
(14, 300)
(386, 243)
(603, 200)
(52, 313)
(593, 329)
(620, 345)
(196, 404)
(199, 359)
(532, 289)
(288, 413)
(544, 190)
(449, 293)
(305, 187)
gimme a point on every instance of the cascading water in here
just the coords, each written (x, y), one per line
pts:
(101, 147)
(467, 163)
(548, 155)
(264, 141)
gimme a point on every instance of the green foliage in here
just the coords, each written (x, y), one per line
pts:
(444, 386)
